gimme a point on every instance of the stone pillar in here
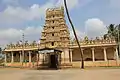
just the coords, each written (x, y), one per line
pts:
(5, 58)
(105, 54)
(12, 58)
(44, 58)
(63, 57)
(29, 56)
(20, 56)
(66, 52)
(116, 53)
(71, 55)
(41, 57)
(37, 57)
(93, 54)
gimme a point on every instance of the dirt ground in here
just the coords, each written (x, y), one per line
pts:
(69, 74)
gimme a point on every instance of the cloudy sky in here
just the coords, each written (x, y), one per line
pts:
(90, 17)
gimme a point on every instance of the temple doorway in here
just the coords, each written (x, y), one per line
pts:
(53, 61)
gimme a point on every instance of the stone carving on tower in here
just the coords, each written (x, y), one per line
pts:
(55, 32)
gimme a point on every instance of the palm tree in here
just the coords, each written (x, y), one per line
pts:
(114, 32)
(81, 53)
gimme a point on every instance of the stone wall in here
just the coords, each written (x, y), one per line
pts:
(96, 64)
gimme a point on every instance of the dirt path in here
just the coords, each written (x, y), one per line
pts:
(71, 74)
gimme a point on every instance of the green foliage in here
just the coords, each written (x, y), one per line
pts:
(113, 31)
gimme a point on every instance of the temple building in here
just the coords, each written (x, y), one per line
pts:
(55, 47)
(55, 32)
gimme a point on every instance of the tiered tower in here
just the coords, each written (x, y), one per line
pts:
(55, 32)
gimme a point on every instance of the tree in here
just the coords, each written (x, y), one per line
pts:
(0, 50)
(81, 53)
(114, 32)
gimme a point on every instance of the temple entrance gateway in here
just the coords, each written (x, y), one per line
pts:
(52, 59)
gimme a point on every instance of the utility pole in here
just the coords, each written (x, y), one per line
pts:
(23, 47)
(80, 51)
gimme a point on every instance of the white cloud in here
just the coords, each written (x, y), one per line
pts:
(17, 14)
(13, 15)
(13, 35)
(95, 27)
(79, 33)
(74, 3)
(71, 4)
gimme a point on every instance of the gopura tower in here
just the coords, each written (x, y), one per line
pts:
(55, 32)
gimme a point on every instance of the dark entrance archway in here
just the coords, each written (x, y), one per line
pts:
(53, 58)
(53, 61)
